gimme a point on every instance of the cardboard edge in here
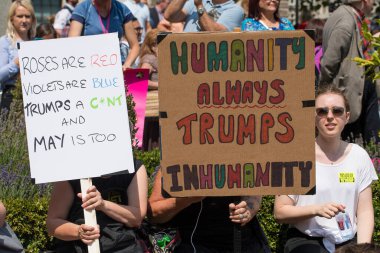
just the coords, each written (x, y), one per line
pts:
(311, 33)
(312, 191)
(161, 36)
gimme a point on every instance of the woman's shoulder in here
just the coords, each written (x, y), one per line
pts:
(251, 24)
(4, 40)
(287, 23)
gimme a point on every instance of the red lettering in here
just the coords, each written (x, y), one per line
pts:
(289, 134)
(223, 137)
(276, 85)
(267, 122)
(206, 123)
(186, 122)
(246, 129)
(204, 94)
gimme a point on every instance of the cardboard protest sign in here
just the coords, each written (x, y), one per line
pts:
(237, 113)
(136, 83)
(75, 108)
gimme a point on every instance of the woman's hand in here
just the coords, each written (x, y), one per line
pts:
(240, 213)
(328, 210)
(87, 234)
(92, 200)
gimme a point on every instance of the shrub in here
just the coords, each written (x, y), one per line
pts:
(27, 219)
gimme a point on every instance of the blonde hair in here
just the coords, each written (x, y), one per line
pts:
(11, 31)
(149, 42)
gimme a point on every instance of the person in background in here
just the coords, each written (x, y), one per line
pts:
(317, 25)
(92, 17)
(120, 201)
(141, 11)
(9, 243)
(341, 211)
(359, 248)
(156, 13)
(21, 26)
(206, 224)
(62, 18)
(148, 60)
(343, 40)
(205, 15)
(124, 46)
(45, 31)
(264, 15)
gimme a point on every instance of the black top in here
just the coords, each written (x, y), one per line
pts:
(114, 236)
(214, 229)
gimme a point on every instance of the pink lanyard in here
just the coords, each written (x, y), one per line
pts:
(104, 29)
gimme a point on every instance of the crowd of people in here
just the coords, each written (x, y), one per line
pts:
(346, 107)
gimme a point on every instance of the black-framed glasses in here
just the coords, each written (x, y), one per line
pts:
(337, 111)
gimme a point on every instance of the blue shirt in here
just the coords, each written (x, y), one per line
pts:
(227, 14)
(86, 14)
(8, 69)
(250, 24)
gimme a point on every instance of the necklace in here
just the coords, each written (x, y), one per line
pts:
(104, 29)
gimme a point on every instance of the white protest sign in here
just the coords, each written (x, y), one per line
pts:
(75, 108)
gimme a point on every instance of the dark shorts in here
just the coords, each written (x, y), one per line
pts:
(298, 242)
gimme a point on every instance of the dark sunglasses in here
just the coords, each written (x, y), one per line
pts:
(337, 111)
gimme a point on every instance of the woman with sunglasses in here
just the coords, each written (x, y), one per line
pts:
(264, 15)
(341, 210)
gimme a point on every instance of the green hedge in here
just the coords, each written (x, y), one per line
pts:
(27, 218)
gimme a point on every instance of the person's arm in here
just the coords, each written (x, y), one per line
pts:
(244, 211)
(132, 214)
(164, 209)
(365, 216)
(152, 85)
(3, 214)
(7, 69)
(75, 28)
(285, 210)
(57, 224)
(228, 20)
(131, 37)
(175, 12)
(337, 49)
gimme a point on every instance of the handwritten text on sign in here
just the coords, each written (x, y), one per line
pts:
(240, 128)
(75, 110)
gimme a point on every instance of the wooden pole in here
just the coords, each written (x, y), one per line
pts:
(89, 216)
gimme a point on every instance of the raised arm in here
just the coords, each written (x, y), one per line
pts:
(365, 216)
(131, 37)
(164, 209)
(285, 210)
(175, 12)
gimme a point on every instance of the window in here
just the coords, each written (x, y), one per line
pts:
(45, 9)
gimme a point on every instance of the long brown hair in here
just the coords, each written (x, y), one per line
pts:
(150, 41)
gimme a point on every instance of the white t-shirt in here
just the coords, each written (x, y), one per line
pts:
(141, 12)
(340, 183)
